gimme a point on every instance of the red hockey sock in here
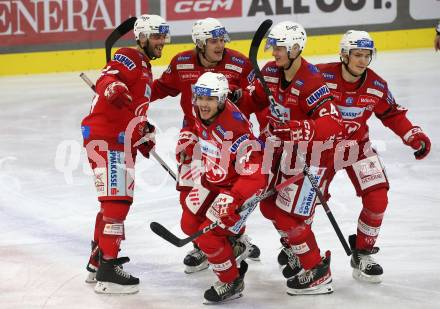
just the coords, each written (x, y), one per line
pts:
(370, 219)
(98, 225)
(218, 249)
(112, 227)
(307, 250)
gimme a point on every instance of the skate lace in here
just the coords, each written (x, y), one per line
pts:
(293, 258)
(121, 272)
(366, 262)
(222, 288)
(197, 254)
(306, 277)
(242, 248)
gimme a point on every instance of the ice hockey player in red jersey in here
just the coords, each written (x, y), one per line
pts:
(209, 55)
(231, 158)
(115, 129)
(303, 115)
(359, 92)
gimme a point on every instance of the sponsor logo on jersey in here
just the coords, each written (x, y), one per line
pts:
(114, 158)
(209, 149)
(237, 143)
(294, 91)
(272, 80)
(327, 75)
(375, 92)
(378, 84)
(312, 68)
(251, 76)
(318, 94)
(271, 69)
(349, 100)
(220, 130)
(125, 61)
(299, 82)
(189, 75)
(367, 100)
(233, 67)
(85, 130)
(237, 116)
(185, 66)
(332, 85)
(238, 60)
(183, 58)
(204, 134)
(351, 112)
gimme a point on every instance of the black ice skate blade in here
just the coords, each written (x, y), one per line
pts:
(236, 296)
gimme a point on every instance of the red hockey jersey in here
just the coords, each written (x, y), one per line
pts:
(356, 105)
(106, 121)
(306, 97)
(230, 153)
(185, 69)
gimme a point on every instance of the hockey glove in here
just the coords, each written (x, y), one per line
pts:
(147, 140)
(118, 94)
(185, 146)
(225, 208)
(294, 130)
(416, 139)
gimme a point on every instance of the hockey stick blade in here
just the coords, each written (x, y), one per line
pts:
(163, 232)
(256, 41)
(119, 32)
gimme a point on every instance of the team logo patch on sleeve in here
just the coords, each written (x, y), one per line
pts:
(318, 94)
(124, 60)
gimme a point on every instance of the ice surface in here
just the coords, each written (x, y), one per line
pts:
(48, 207)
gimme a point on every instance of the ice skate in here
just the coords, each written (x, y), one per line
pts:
(221, 292)
(195, 260)
(92, 265)
(314, 281)
(365, 268)
(112, 279)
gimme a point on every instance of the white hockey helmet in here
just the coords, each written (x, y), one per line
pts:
(212, 85)
(208, 28)
(354, 39)
(287, 34)
(151, 24)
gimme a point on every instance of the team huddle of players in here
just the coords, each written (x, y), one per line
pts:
(318, 117)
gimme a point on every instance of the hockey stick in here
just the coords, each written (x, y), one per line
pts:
(119, 32)
(165, 166)
(253, 51)
(246, 209)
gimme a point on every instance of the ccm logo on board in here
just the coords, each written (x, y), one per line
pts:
(185, 9)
